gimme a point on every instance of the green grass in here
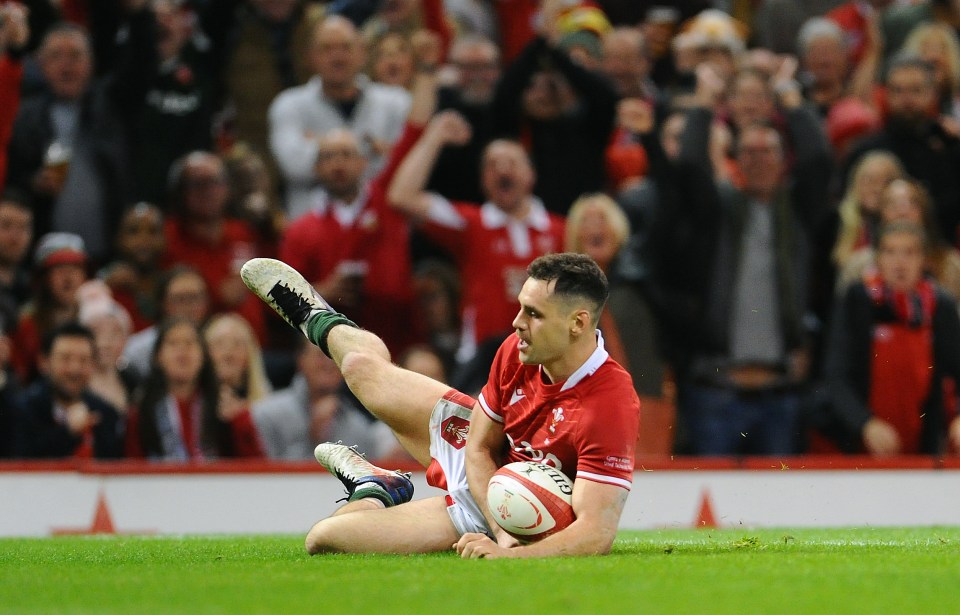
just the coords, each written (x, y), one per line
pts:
(878, 570)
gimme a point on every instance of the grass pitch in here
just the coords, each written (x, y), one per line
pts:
(874, 570)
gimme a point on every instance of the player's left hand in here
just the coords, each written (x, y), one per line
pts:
(476, 546)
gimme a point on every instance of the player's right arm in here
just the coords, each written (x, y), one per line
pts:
(484, 450)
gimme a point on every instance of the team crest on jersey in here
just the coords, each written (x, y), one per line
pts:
(454, 430)
(556, 420)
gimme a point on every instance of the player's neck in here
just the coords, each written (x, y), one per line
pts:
(576, 355)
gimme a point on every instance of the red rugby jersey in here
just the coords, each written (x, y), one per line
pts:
(492, 252)
(585, 426)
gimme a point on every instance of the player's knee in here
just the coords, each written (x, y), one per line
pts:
(317, 540)
(359, 366)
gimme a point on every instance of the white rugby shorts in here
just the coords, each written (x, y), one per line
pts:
(449, 426)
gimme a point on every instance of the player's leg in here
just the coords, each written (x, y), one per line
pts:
(402, 399)
(422, 526)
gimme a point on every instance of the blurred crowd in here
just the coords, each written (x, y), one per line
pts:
(771, 186)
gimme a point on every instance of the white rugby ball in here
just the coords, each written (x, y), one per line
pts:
(530, 500)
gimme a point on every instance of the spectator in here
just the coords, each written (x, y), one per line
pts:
(894, 338)
(854, 18)
(254, 198)
(626, 63)
(852, 227)
(392, 61)
(175, 115)
(437, 287)
(16, 235)
(9, 391)
(353, 245)
(263, 48)
(598, 227)
(60, 416)
(491, 244)
(69, 144)
(900, 19)
(565, 114)
(112, 380)
(14, 35)
(313, 409)
(406, 17)
(134, 274)
(937, 44)
(475, 65)
(200, 234)
(179, 416)
(424, 360)
(859, 210)
(928, 152)
(60, 267)
(237, 362)
(905, 200)
(182, 294)
(739, 392)
(823, 61)
(338, 96)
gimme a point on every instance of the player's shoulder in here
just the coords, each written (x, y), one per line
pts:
(611, 379)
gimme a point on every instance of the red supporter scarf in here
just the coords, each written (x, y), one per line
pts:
(913, 309)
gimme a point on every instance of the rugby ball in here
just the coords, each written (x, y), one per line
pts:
(530, 500)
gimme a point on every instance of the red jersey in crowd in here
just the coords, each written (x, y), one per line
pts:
(492, 251)
(217, 263)
(370, 237)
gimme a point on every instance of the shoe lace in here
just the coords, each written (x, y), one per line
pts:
(293, 304)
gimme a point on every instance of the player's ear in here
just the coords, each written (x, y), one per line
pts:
(581, 321)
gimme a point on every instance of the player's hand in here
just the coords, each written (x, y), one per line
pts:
(450, 128)
(479, 546)
(880, 438)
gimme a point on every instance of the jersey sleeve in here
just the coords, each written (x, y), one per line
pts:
(608, 436)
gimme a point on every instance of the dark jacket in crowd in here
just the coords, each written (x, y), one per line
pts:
(40, 436)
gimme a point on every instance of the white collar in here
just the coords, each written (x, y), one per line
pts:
(592, 364)
(345, 213)
(537, 217)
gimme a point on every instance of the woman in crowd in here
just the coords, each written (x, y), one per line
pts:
(905, 200)
(237, 362)
(110, 323)
(179, 416)
(895, 337)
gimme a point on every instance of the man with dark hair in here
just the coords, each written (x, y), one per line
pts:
(16, 234)
(58, 415)
(554, 396)
(912, 132)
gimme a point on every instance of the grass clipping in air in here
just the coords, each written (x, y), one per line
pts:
(873, 570)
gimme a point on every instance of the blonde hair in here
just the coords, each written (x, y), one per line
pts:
(849, 209)
(948, 37)
(258, 385)
(611, 212)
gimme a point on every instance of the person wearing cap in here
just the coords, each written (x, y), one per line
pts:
(60, 267)
(58, 416)
(562, 112)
